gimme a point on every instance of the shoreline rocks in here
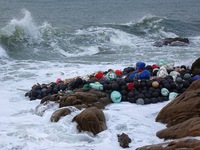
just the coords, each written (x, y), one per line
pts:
(80, 99)
(183, 144)
(91, 119)
(142, 84)
(182, 108)
(182, 119)
(124, 140)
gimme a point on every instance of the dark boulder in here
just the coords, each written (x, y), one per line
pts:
(178, 41)
(185, 144)
(187, 128)
(91, 119)
(124, 140)
(80, 99)
(195, 68)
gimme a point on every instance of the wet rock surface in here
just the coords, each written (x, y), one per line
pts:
(124, 140)
(195, 69)
(189, 127)
(186, 144)
(178, 41)
(182, 117)
(182, 108)
(91, 119)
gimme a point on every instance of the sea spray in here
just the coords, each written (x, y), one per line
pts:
(26, 24)
(3, 53)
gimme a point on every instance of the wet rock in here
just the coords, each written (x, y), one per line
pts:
(182, 108)
(124, 140)
(182, 118)
(85, 96)
(54, 97)
(178, 41)
(195, 68)
(80, 98)
(186, 144)
(70, 100)
(91, 119)
(187, 128)
(55, 117)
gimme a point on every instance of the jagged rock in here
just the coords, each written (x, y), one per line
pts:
(186, 144)
(182, 108)
(80, 98)
(91, 119)
(195, 68)
(124, 140)
(182, 118)
(84, 96)
(178, 41)
(188, 128)
(55, 117)
(54, 97)
(70, 100)
(172, 41)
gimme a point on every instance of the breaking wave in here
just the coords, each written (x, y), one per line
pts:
(3, 53)
(24, 39)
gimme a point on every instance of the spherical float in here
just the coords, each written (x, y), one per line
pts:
(155, 84)
(186, 76)
(140, 101)
(164, 92)
(111, 76)
(116, 96)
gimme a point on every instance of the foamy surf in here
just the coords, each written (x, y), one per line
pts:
(25, 25)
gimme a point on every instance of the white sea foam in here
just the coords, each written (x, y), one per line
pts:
(120, 38)
(85, 51)
(195, 40)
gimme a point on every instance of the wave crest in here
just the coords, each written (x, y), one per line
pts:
(22, 29)
(152, 26)
(24, 39)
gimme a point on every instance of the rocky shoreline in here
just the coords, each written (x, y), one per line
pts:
(142, 84)
(182, 118)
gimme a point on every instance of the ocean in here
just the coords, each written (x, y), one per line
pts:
(42, 40)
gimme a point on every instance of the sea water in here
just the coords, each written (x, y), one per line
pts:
(42, 40)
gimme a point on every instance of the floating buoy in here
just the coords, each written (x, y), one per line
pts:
(179, 80)
(96, 86)
(111, 76)
(172, 95)
(186, 76)
(116, 96)
(99, 75)
(155, 84)
(118, 72)
(140, 101)
(58, 80)
(164, 92)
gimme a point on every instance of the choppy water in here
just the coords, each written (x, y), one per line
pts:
(103, 31)
(78, 37)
